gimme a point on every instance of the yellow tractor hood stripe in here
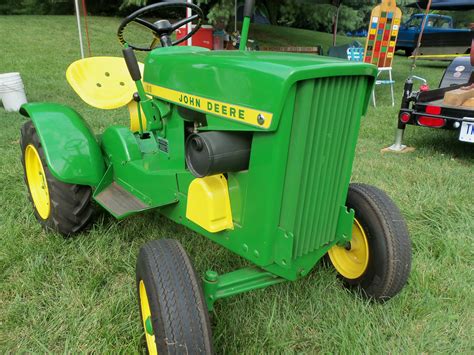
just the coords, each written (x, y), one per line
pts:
(246, 115)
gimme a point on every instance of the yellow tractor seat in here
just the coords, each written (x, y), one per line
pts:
(102, 82)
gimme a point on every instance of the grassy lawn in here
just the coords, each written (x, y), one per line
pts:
(79, 294)
(281, 36)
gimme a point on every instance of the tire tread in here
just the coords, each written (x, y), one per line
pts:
(179, 297)
(398, 244)
(71, 204)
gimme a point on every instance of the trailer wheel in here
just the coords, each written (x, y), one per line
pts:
(378, 258)
(172, 306)
(65, 208)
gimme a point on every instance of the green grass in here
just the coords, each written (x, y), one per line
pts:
(78, 294)
(281, 36)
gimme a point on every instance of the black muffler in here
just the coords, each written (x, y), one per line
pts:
(215, 152)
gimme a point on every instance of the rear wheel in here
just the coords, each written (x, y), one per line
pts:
(172, 307)
(59, 206)
(378, 258)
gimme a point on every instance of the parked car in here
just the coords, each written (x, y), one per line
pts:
(439, 35)
(361, 32)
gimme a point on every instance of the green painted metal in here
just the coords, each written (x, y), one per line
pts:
(106, 180)
(287, 210)
(152, 113)
(344, 225)
(263, 82)
(233, 283)
(326, 115)
(245, 34)
(148, 326)
(138, 165)
(72, 152)
(288, 207)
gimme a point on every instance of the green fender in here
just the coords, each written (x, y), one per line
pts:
(72, 152)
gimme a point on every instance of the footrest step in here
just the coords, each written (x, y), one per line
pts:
(119, 201)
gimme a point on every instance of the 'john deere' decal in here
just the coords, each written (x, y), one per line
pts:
(217, 108)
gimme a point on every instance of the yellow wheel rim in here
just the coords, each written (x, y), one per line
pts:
(146, 319)
(351, 262)
(37, 181)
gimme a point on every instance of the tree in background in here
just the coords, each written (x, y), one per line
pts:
(36, 7)
(323, 15)
(309, 14)
(59, 7)
(319, 15)
(462, 18)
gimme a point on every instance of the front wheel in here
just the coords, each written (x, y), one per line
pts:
(378, 257)
(172, 306)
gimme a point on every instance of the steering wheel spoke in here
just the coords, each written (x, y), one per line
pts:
(161, 31)
(154, 43)
(145, 23)
(183, 22)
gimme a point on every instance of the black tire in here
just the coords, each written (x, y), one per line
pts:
(179, 315)
(388, 240)
(71, 208)
(408, 51)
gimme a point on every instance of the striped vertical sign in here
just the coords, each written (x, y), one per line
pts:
(382, 34)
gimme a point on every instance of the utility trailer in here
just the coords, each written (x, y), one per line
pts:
(425, 108)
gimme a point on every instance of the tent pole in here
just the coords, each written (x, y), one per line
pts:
(335, 19)
(418, 44)
(189, 25)
(78, 17)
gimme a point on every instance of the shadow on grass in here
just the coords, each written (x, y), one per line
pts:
(432, 64)
(442, 142)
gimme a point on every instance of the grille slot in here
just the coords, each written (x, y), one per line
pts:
(325, 126)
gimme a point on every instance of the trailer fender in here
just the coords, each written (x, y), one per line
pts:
(72, 153)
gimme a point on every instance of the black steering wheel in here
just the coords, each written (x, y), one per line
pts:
(162, 29)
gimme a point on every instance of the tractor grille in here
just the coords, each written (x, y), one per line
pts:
(324, 133)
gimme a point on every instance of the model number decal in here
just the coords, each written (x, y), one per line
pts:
(247, 115)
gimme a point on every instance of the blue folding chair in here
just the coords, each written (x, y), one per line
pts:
(356, 54)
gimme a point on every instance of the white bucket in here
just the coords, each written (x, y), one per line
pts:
(12, 91)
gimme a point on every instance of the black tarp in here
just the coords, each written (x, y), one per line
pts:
(450, 5)
(458, 72)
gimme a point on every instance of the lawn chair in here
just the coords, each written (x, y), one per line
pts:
(390, 82)
(356, 54)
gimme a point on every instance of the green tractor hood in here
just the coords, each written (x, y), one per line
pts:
(255, 80)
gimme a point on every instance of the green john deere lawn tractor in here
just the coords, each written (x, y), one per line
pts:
(252, 150)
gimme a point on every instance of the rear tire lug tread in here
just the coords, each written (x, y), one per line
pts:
(71, 205)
